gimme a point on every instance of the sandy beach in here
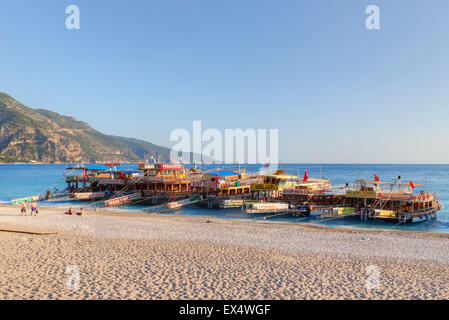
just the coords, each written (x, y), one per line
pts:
(142, 256)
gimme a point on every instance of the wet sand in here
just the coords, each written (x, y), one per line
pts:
(129, 256)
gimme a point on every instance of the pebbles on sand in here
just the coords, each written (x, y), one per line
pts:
(167, 257)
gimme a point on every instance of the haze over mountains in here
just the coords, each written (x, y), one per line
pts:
(39, 135)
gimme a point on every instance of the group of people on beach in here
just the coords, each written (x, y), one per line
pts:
(72, 213)
(34, 211)
(23, 210)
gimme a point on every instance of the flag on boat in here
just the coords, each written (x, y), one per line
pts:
(84, 176)
(376, 178)
(305, 177)
(266, 164)
(122, 174)
(216, 179)
(412, 185)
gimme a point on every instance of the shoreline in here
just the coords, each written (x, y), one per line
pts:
(284, 163)
(348, 229)
(150, 256)
(60, 163)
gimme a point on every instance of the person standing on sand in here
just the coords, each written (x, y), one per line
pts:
(23, 210)
(81, 213)
(33, 208)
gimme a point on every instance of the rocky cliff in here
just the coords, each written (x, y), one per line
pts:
(28, 135)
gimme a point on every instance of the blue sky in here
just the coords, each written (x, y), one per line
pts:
(336, 91)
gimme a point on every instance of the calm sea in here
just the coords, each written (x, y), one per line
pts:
(24, 180)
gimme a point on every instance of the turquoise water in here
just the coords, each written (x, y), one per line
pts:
(27, 179)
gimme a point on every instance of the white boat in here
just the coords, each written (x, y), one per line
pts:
(263, 207)
(231, 203)
(88, 195)
(25, 199)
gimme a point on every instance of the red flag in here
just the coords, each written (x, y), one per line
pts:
(376, 178)
(305, 177)
(122, 175)
(412, 185)
(216, 179)
(84, 176)
(266, 164)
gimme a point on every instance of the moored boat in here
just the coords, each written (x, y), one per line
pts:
(395, 201)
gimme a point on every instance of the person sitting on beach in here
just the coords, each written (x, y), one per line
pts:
(23, 210)
(81, 213)
(70, 212)
(33, 208)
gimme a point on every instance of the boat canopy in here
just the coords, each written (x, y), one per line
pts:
(126, 171)
(386, 182)
(224, 173)
(283, 177)
(100, 167)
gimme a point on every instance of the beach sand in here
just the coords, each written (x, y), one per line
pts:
(142, 256)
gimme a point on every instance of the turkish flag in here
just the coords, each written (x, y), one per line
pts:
(216, 179)
(305, 177)
(266, 164)
(84, 176)
(412, 185)
(122, 175)
(376, 178)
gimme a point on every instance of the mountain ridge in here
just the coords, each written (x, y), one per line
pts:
(44, 136)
